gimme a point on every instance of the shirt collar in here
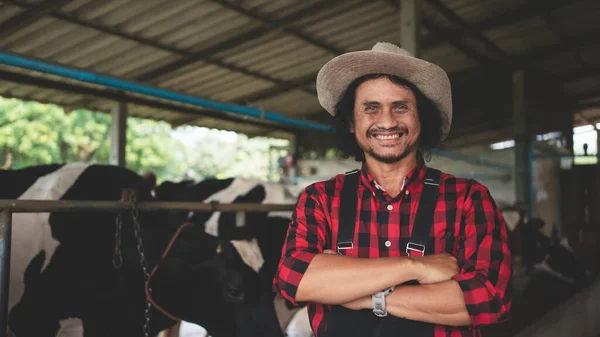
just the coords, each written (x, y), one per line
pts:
(414, 177)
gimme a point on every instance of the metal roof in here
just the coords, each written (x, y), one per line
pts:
(266, 53)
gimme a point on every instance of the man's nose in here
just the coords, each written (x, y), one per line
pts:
(387, 119)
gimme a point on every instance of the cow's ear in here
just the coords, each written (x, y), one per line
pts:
(255, 195)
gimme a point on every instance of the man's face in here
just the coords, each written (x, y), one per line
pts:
(386, 121)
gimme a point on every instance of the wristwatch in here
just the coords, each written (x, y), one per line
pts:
(378, 301)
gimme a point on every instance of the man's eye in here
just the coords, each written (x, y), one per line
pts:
(370, 108)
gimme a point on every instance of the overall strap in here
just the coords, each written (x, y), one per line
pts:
(424, 220)
(347, 215)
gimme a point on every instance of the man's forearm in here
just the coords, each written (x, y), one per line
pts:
(439, 303)
(334, 279)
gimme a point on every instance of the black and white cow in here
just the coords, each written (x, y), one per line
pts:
(267, 228)
(62, 278)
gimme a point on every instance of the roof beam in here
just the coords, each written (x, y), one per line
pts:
(509, 17)
(29, 16)
(155, 44)
(121, 96)
(282, 24)
(466, 29)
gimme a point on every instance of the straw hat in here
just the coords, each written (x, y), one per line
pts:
(385, 58)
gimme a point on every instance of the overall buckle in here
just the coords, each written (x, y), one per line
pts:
(345, 246)
(415, 248)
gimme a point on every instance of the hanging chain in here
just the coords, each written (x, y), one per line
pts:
(117, 256)
(143, 264)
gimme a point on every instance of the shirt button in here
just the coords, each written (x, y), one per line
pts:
(388, 244)
(390, 207)
(407, 192)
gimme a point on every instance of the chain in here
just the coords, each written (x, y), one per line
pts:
(117, 256)
(144, 265)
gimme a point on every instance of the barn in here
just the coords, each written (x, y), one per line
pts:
(101, 233)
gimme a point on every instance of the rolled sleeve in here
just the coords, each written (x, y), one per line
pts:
(485, 260)
(305, 239)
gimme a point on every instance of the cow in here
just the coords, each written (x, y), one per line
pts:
(73, 274)
(268, 228)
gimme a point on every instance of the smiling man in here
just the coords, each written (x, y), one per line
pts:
(395, 248)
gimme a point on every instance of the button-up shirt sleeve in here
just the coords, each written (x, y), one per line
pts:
(484, 259)
(306, 237)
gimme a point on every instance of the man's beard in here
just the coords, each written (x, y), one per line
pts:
(389, 159)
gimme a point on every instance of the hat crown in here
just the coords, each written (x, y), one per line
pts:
(390, 48)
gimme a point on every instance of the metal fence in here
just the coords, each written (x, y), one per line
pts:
(8, 207)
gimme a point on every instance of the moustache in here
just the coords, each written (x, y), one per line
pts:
(397, 130)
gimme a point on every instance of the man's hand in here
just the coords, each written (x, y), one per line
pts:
(435, 268)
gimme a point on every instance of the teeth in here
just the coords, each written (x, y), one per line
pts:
(387, 136)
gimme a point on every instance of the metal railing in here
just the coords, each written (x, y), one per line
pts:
(8, 207)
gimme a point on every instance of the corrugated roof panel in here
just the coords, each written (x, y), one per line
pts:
(350, 21)
(8, 11)
(334, 10)
(260, 42)
(199, 78)
(477, 11)
(65, 42)
(52, 31)
(128, 60)
(150, 62)
(21, 36)
(371, 28)
(578, 18)
(74, 5)
(186, 73)
(448, 58)
(281, 9)
(153, 15)
(96, 44)
(209, 86)
(293, 103)
(111, 50)
(525, 35)
(314, 62)
(250, 54)
(96, 9)
(241, 90)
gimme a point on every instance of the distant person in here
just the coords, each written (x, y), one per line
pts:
(346, 252)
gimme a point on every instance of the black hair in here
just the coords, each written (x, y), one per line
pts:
(431, 119)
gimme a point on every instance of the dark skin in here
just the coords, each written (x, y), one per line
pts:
(387, 128)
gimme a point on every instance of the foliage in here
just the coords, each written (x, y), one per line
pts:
(33, 134)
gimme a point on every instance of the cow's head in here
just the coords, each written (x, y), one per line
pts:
(213, 281)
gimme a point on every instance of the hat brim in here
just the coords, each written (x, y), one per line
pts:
(337, 74)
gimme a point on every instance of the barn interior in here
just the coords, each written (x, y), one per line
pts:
(525, 78)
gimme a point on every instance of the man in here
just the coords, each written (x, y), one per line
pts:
(388, 107)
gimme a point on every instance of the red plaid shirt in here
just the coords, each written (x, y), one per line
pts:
(464, 207)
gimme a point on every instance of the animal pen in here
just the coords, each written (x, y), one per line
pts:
(8, 207)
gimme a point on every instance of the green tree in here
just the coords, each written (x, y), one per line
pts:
(33, 134)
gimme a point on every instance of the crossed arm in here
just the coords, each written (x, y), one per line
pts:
(440, 303)
(474, 294)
